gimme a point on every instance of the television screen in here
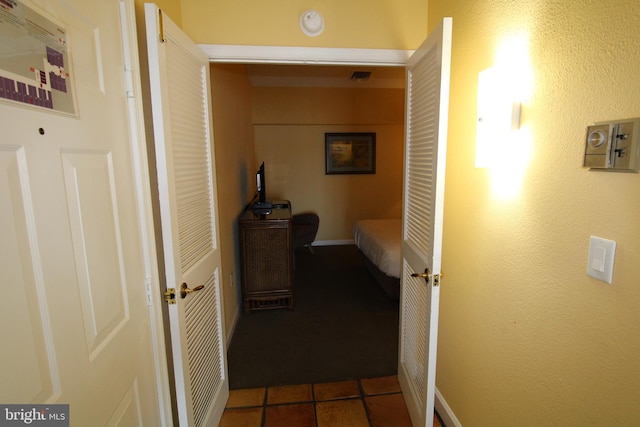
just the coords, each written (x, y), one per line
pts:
(260, 178)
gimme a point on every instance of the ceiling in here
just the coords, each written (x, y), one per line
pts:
(296, 75)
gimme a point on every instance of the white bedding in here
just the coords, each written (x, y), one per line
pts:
(380, 241)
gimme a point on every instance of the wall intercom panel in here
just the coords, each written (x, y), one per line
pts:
(613, 145)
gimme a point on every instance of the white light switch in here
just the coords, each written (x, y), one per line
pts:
(597, 261)
(601, 257)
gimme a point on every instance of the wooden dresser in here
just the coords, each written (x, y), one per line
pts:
(266, 245)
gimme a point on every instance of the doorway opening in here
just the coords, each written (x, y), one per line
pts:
(279, 92)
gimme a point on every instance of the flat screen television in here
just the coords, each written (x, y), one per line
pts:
(261, 183)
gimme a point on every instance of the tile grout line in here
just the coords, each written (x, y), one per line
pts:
(315, 406)
(364, 403)
(264, 406)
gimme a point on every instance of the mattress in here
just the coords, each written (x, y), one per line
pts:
(380, 241)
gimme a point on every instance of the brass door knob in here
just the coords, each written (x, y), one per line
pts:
(427, 276)
(184, 290)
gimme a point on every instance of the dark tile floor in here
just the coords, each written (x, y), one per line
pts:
(355, 403)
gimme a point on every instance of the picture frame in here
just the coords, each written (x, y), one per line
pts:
(350, 153)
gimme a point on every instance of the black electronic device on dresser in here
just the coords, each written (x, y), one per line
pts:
(261, 205)
(266, 242)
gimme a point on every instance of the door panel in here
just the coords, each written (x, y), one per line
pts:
(129, 410)
(179, 77)
(23, 318)
(71, 251)
(98, 252)
(425, 153)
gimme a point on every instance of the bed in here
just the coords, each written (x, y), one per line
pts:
(379, 241)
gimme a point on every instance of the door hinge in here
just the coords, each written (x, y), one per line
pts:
(147, 283)
(128, 80)
(170, 295)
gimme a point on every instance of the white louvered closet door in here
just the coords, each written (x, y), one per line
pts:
(425, 150)
(179, 74)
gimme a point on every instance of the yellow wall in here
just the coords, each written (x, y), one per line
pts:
(353, 23)
(235, 170)
(526, 337)
(289, 126)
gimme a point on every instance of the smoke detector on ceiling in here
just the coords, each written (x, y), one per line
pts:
(311, 22)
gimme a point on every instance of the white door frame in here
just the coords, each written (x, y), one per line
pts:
(305, 55)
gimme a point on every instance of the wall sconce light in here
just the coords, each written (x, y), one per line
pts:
(498, 116)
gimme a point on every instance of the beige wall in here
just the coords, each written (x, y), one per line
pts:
(235, 170)
(353, 23)
(526, 337)
(289, 127)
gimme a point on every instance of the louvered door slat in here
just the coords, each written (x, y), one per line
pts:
(190, 155)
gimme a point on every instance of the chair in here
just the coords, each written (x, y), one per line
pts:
(305, 228)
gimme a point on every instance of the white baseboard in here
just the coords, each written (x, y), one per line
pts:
(332, 242)
(444, 410)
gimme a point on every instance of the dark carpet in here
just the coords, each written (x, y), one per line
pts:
(343, 326)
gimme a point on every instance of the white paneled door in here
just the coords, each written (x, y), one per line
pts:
(179, 77)
(74, 317)
(427, 98)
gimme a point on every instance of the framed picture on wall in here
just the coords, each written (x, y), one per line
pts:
(350, 153)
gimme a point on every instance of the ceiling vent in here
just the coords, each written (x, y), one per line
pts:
(360, 76)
